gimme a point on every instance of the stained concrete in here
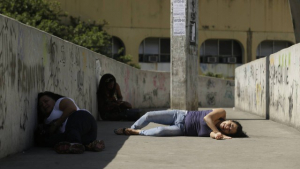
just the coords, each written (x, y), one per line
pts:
(271, 145)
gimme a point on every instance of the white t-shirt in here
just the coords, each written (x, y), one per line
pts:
(56, 113)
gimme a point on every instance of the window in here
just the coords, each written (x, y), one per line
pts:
(155, 50)
(220, 51)
(118, 48)
(269, 47)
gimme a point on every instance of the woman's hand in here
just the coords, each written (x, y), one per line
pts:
(220, 136)
(54, 126)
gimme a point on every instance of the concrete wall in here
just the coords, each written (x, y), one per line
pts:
(227, 70)
(33, 61)
(284, 86)
(143, 89)
(250, 91)
(215, 92)
(277, 77)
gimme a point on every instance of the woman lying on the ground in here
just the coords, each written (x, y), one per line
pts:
(205, 123)
(66, 127)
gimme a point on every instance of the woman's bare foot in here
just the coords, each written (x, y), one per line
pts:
(126, 131)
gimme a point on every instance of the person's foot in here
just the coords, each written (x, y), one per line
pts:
(69, 148)
(126, 131)
(96, 145)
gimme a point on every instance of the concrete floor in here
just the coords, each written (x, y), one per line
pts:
(271, 145)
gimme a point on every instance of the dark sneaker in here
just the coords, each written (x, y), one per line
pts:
(69, 148)
(97, 145)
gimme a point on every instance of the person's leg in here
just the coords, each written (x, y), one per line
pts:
(89, 133)
(125, 105)
(75, 128)
(166, 117)
(82, 128)
(173, 130)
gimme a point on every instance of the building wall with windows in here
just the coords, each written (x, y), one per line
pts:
(144, 27)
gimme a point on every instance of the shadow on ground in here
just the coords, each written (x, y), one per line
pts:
(44, 158)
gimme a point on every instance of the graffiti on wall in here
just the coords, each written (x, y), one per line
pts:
(24, 75)
(159, 82)
(7, 65)
(210, 84)
(211, 98)
(279, 79)
(251, 86)
(229, 90)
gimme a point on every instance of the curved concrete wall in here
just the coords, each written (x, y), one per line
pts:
(33, 61)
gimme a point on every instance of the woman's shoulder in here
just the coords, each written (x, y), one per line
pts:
(65, 99)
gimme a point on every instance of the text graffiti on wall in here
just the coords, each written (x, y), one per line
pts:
(251, 89)
(279, 77)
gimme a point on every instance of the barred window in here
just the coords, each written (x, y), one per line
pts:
(220, 51)
(155, 50)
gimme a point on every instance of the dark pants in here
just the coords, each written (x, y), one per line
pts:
(81, 128)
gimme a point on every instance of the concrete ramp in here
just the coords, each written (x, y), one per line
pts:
(271, 145)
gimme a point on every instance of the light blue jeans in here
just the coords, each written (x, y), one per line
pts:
(173, 118)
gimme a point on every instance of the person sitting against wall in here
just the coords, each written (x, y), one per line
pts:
(64, 126)
(207, 123)
(110, 101)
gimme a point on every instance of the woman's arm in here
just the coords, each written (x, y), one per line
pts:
(67, 106)
(118, 91)
(213, 116)
(211, 119)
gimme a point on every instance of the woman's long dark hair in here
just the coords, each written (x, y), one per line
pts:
(239, 131)
(52, 95)
(104, 81)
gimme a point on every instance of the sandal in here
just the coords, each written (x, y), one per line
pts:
(96, 145)
(69, 148)
(121, 131)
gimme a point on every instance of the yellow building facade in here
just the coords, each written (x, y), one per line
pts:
(231, 32)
